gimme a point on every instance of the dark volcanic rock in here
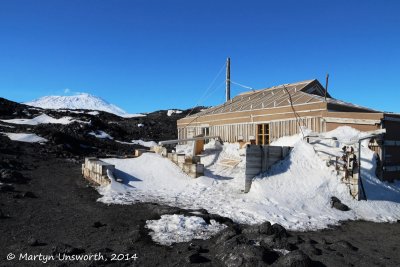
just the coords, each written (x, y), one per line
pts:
(8, 108)
(295, 258)
(29, 194)
(11, 176)
(337, 204)
(98, 224)
(278, 230)
(244, 255)
(67, 249)
(33, 242)
(6, 188)
(134, 236)
(225, 235)
(273, 242)
(310, 248)
(197, 258)
(266, 228)
(343, 245)
(3, 215)
(250, 229)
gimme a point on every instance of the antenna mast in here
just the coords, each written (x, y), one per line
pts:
(228, 79)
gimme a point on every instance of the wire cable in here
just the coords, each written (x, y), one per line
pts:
(296, 115)
(244, 86)
(205, 93)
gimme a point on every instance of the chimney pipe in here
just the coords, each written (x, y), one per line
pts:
(228, 79)
(326, 85)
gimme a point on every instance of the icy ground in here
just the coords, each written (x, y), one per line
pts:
(294, 193)
(178, 228)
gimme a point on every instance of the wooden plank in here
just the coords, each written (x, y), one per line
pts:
(352, 121)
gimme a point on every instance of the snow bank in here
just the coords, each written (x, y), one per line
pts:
(101, 135)
(43, 119)
(144, 143)
(173, 111)
(25, 137)
(291, 140)
(188, 148)
(178, 228)
(294, 193)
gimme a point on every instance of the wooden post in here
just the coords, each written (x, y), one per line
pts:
(228, 79)
(326, 85)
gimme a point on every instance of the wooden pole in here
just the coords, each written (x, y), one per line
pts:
(228, 79)
(326, 85)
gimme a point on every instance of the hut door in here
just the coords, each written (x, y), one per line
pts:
(206, 132)
(263, 134)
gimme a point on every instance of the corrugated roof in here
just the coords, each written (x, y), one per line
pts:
(305, 92)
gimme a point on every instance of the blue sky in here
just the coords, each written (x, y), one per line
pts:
(145, 55)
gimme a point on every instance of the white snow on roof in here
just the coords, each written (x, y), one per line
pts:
(144, 143)
(173, 111)
(43, 119)
(80, 101)
(101, 135)
(25, 137)
(295, 192)
(178, 228)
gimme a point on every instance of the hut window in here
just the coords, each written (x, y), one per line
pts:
(263, 134)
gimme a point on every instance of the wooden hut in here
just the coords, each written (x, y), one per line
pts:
(262, 116)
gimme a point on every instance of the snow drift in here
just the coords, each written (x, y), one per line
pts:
(295, 192)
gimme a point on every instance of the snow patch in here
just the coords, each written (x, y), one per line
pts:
(43, 119)
(173, 111)
(8, 126)
(281, 251)
(94, 113)
(144, 143)
(101, 135)
(25, 137)
(178, 228)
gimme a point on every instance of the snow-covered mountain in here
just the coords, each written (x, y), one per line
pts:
(79, 101)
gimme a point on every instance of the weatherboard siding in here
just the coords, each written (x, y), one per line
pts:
(232, 132)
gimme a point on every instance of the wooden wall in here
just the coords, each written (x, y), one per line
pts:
(392, 148)
(290, 127)
(361, 127)
(231, 132)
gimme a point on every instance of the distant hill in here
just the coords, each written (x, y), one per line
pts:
(79, 101)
